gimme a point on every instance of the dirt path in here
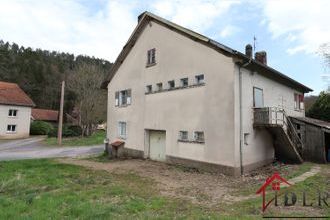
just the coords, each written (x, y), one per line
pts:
(201, 188)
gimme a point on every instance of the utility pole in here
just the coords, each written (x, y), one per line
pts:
(60, 120)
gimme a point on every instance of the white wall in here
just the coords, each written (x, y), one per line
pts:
(22, 122)
(208, 108)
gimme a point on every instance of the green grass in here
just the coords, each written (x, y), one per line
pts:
(95, 139)
(45, 189)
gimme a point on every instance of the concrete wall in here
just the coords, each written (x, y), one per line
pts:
(22, 122)
(208, 108)
(259, 146)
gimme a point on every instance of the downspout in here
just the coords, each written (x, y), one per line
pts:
(241, 114)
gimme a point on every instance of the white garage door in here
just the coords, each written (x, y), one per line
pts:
(157, 145)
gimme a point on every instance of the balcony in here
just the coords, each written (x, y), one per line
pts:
(268, 116)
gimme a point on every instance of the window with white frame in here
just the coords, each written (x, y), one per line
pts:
(199, 79)
(151, 58)
(171, 84)
(199, 136)
(298, 101)
(11, 128)
(184, 82)
(183, 135)
(123, 98)
(148, 88)
(12, 112)
(122, 132)
(159, 86)
(258, 97)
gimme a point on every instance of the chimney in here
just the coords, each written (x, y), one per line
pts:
(261, 57)
(248, 50)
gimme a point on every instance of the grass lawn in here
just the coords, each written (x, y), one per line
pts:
(95, 139)
(46, 189)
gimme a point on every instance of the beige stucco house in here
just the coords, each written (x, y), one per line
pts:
(15, 111)
(177, 96)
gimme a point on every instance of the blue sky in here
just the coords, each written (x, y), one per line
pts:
(290, 31)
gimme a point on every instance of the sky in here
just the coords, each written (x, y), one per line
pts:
(291, 31)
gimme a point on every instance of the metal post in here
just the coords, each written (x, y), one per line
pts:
(60, 120)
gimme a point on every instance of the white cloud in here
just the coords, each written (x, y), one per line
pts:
(304, 22)
(68, 26)
(228, 31)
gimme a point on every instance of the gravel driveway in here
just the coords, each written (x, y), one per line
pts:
(33, 147)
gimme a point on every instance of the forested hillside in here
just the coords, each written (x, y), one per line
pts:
(40, 72)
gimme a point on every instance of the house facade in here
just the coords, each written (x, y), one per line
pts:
(180, 97)
(15, 111)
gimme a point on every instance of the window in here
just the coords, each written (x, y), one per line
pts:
(183, 135)
(184, 82)
(258, 98)
(122, 129)
(123, 98)
(171, 84)
(159, 86)
(199, 136)
(149, 89)
(199, 79)
(11, 128)
(298, 101)
(12, 113)
(151, 59)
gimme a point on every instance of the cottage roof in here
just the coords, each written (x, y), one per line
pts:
(144, 19)
(44, 114)
(316, 122)
(12, 94)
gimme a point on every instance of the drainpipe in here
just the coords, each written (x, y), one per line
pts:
(241, 114)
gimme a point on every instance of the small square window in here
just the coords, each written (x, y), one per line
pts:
(199, 79)
(184, 82)
(12, 113)
(171, 84)
(183, 135)
(11, 128)
(151, 58)
(159, 86)
(123, 98)
(199, 136)
(149, 89)
(122, 129)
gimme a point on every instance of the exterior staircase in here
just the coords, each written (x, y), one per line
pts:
(288, 145)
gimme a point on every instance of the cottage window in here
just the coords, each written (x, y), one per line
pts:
(159, 86)
(149, 88)
(12, 113)
(183, 135)
(151, 58)
(199, 79)
(122, 129)
(11, 128)
(184, 82)
(258, 97)
(123, 98)
(298, 101)
(171, 84)
(199, 136)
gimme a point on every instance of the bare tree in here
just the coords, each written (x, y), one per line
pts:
(324, 52)
(85, 82)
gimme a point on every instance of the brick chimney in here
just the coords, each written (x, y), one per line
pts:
(248, 51)
(261, 56)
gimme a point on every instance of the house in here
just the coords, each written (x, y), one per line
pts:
(46, 115)
(177, 96)
(15, 111)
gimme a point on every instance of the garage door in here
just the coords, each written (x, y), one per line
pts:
(157, 145)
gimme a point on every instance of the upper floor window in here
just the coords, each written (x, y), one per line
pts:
(183, 135)
(12, 113)
(298, 101)
(199, 79)
(151, 58)
(149, 88)
(122, 129)
(123, 97)
(258, 97)
(11, 128)
(159, 86)
(184, 82)
(171, 84)
(199, 136)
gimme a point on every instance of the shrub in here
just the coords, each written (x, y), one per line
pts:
(41, 128)
(67, 131)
